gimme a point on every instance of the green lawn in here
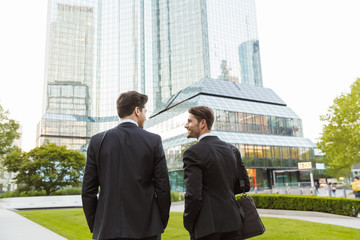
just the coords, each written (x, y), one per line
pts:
(71, 224)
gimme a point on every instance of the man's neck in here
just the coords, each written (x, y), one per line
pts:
(204, 134)
(129, 119)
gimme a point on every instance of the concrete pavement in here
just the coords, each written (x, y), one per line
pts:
(15, 227)
(21, 203)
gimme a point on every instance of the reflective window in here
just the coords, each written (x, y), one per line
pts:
(254, 123)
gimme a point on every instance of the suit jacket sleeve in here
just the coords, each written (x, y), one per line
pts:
(193, 185)
(161, 183)
(241, 173)
(90, 186)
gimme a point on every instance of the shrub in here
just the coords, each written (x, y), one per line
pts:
(176, 196)
(340, 206)
(31, 193)
(68, 191)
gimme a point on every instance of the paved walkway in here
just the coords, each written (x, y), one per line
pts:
(13, 226)
(16, 227)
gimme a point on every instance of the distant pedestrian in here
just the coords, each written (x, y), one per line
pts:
(327, 189)
(333, 189)
(316, 188)
(356, 187)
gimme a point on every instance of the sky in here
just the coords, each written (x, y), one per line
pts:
(310, 54)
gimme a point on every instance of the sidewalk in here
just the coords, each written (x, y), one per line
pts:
(16, 227)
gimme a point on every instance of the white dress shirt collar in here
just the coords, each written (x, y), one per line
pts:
(128, 120)
(205, 135)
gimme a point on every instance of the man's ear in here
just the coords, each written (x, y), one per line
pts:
(203, 123)
(137, 111)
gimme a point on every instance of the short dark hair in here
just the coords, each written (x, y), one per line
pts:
(356, 178)
(203, 112)
(128, 101)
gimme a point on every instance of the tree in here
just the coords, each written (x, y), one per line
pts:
(48, 167)
(14, 159)
(340, 140)
(8, 132)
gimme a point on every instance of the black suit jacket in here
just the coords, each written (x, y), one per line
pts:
(129, 166)
(211, 183)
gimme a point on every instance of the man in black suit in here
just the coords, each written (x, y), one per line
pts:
(211, 168)
(129, 166)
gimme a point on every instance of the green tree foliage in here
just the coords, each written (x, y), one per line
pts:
(8, 132)
(49, 167)
(340, 140)
(14, 159)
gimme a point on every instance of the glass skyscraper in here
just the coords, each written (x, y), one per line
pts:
(207, 52)
(95, 50)
(181, 54)
(98, 49)
(204, 38)
(249, 55)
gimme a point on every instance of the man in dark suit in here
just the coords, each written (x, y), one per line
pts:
(129, 166)
(211, 168)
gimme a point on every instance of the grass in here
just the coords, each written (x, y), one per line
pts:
(71, 224)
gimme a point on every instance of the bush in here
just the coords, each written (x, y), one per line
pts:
(340, 206)
(31, 193)
(176, 196)
(9, 194)
(67, 191)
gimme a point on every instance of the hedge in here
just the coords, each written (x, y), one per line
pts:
(340, 206)
(175, 196)
(33, 193)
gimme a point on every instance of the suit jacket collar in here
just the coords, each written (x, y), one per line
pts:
(128, 120)
(127, 124)
(209, 138)
(205, 135)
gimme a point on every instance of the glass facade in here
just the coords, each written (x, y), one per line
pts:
(267, 133)
(249, 56)
(255, 123)
(98, 49)
(70, 72)
(204, 38)
(95, 50)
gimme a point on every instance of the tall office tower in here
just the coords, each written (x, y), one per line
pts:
(69, 74)
(95, 50)
(197, 39)
(98, 49)
(202, 51)
(249, 55)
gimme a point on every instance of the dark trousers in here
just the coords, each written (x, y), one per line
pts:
(150, 238)
(223, 236)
